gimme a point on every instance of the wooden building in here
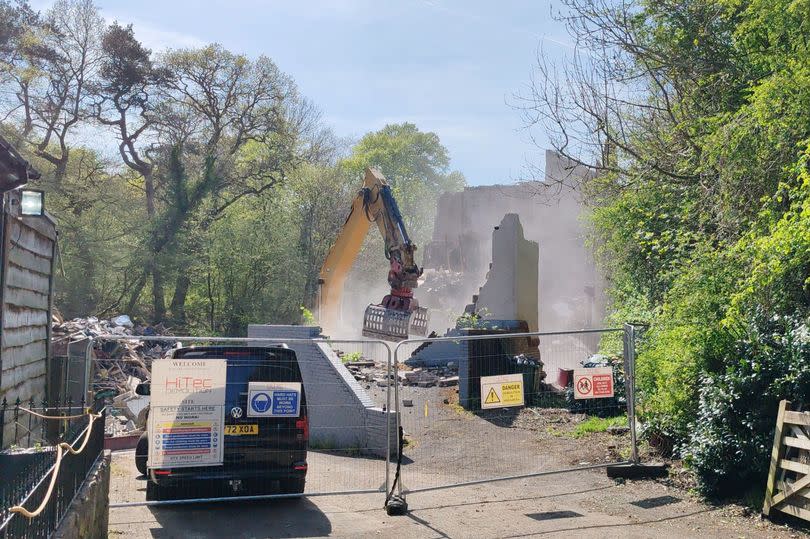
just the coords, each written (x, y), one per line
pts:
(27, 257)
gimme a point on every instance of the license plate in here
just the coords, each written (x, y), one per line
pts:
(241, 430)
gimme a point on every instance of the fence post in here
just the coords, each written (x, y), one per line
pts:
(630, 386)
(3, 407)
(16, 419)
(31, 406)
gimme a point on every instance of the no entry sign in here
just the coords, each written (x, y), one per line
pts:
(595, 383)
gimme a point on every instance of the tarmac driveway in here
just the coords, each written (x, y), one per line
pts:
(575, 504)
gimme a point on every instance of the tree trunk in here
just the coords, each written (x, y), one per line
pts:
(178, 306)
(136, 291)
(158, 299)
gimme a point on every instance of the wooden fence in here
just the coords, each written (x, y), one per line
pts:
(788, 487)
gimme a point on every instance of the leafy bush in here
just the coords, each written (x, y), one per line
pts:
(729, 446)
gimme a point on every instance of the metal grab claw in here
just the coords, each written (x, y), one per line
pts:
(393, 325)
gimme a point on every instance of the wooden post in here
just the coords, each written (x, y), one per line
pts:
(776, 456)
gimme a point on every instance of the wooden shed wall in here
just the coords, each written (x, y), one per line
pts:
(28, 251)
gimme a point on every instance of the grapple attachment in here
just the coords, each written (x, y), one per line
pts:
(380, 322)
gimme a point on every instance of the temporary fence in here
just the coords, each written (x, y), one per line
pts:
(406, 418)
(343, 422)
(38, 484)
(515, 411)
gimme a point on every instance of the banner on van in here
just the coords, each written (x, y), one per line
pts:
(274, 399)
(187, 413)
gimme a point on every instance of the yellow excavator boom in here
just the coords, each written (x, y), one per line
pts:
(398, 313)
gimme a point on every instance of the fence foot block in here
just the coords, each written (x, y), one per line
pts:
(637, 471)
(396, 506)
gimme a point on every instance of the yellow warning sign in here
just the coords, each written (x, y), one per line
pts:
(502, 391)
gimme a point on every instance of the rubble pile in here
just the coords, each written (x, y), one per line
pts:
(117, 361)
(367, 371)
(432, 376)
(119, 366)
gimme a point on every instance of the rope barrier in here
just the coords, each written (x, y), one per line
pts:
(35, 414)
(59, 454)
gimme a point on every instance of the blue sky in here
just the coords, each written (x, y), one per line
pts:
(447, 66)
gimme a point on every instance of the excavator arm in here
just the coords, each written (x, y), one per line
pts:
(398, 313)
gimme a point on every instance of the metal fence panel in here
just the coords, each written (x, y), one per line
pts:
(25, 476)
(349, 406)
(450, 440)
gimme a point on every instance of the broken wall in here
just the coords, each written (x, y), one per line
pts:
(553, 215)
(510, 291)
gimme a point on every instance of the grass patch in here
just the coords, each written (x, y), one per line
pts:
(593, 425)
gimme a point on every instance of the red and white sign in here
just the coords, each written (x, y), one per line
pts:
(595, 383)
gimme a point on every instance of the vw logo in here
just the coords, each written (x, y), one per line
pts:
(236, 412)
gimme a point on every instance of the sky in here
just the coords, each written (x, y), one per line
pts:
(451, 67)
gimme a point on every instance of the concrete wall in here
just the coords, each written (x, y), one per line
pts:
(510, 291)
(553, 215)
(88, 515)
(26, 289)
(341, 413)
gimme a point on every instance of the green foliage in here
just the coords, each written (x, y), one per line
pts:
(219, 192)
(731, 438)
(353, 356)
(701, 220)
(307, 318)
(415, 164)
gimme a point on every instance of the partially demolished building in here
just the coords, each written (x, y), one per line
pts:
(552, 214)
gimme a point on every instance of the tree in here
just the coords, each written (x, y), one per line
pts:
(54, 76)
(126, 101)
(695, 114)
(233, 128)
(415, 164)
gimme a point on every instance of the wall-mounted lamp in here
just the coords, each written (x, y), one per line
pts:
(32, 202)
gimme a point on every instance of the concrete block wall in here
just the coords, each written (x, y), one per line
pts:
(341, 414)
(88, 514)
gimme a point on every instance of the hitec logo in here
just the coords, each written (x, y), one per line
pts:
(188, 384)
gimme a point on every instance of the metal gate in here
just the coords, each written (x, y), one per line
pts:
(362, 393)
(449, 440)
(349, 408)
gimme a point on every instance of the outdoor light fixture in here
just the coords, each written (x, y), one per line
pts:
(32, 202)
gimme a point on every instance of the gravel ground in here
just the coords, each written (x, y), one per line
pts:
(448, 445)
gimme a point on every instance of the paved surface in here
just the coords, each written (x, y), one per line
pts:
(585, 504)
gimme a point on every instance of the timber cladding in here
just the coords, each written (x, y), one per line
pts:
(788, 487)
(27, 253)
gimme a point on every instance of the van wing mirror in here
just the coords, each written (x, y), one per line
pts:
(143, 388)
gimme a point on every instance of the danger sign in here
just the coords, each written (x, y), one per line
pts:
(501, 391)
(595, 383)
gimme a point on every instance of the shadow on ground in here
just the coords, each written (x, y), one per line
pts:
(261, 518)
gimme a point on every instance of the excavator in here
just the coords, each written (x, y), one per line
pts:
(399, 314)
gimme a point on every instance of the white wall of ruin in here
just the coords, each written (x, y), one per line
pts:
(571, 290)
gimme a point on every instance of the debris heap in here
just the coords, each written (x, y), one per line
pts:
(117, 361)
